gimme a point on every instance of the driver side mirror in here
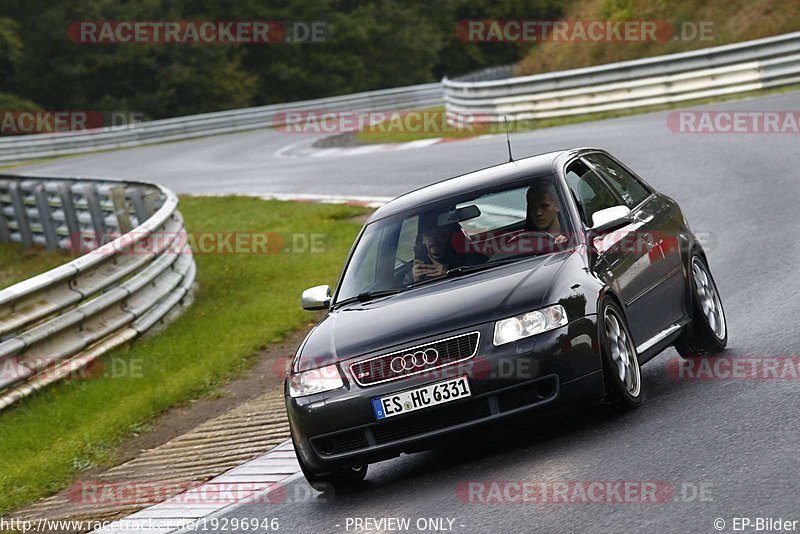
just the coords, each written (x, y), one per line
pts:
(316, 298)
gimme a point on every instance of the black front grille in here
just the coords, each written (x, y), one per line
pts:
(342, 442)
(433, 420)
(403, 427)
(415, 360)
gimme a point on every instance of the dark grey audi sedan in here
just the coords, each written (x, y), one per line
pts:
(518, 287)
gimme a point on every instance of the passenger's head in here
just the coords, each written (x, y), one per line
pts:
(542, 208)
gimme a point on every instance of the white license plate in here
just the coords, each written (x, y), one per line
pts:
(424, 397)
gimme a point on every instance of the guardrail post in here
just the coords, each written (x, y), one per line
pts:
(46, 217)
(143, 204)
(96, 212)
(5, 235)
(150, 201)
(70, 218)
(118, 200)
(21, 214)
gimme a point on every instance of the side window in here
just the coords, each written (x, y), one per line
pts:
(408, 236)
(627, 185)
(589, 190)
(365, 261)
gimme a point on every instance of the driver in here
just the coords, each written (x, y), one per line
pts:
(435, 254)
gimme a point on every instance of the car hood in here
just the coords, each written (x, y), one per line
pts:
(438, 308)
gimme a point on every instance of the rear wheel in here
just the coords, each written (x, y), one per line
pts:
(340, 479)
(623, 377)
(707, 335)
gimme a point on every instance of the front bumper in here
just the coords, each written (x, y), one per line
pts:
(338, 428)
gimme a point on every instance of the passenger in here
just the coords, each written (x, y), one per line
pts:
(543, 211)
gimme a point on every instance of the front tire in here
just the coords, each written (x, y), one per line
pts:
(707, 335)
(621, 371)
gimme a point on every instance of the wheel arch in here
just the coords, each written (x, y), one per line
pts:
(695, 249)
(610, 293)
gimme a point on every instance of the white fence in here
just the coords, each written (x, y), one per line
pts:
(138, 272)
(710, 72)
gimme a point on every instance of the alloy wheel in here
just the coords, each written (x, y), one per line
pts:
(623, 355)
(708, 298)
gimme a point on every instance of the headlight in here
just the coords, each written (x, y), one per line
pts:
(315, 381)
(529, 324)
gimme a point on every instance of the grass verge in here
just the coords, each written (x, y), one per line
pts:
(244, 302)
(18, 264)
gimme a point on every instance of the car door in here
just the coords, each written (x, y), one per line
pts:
(622, 255)
(665, 295)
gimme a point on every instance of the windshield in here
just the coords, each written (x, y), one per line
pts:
(455, 237)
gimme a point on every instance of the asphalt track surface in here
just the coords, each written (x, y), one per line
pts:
(723, 448)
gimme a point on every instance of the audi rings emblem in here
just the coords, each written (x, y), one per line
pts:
(418, 360)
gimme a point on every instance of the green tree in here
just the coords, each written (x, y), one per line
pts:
(158, 79)
(371, 45)
(10, 57)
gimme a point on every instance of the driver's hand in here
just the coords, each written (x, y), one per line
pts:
(560, 238)
(419, 270)
(427, 270)
(436, 269)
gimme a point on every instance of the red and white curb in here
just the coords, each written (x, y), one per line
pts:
(350, 200)
(261, 480)
(304, 149)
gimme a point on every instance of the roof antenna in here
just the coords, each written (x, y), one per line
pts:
(508, 140)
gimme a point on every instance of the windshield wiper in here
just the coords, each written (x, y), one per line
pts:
(466, 269)
(366, 296)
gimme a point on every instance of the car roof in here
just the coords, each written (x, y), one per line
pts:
(497, 175)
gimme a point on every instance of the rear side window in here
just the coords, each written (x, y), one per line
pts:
(627, 185)
(590, 191)
(498, 210)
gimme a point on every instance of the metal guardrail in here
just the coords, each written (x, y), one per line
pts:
(138, 272)
(478, 97)
(709, 72)
(25, 147)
